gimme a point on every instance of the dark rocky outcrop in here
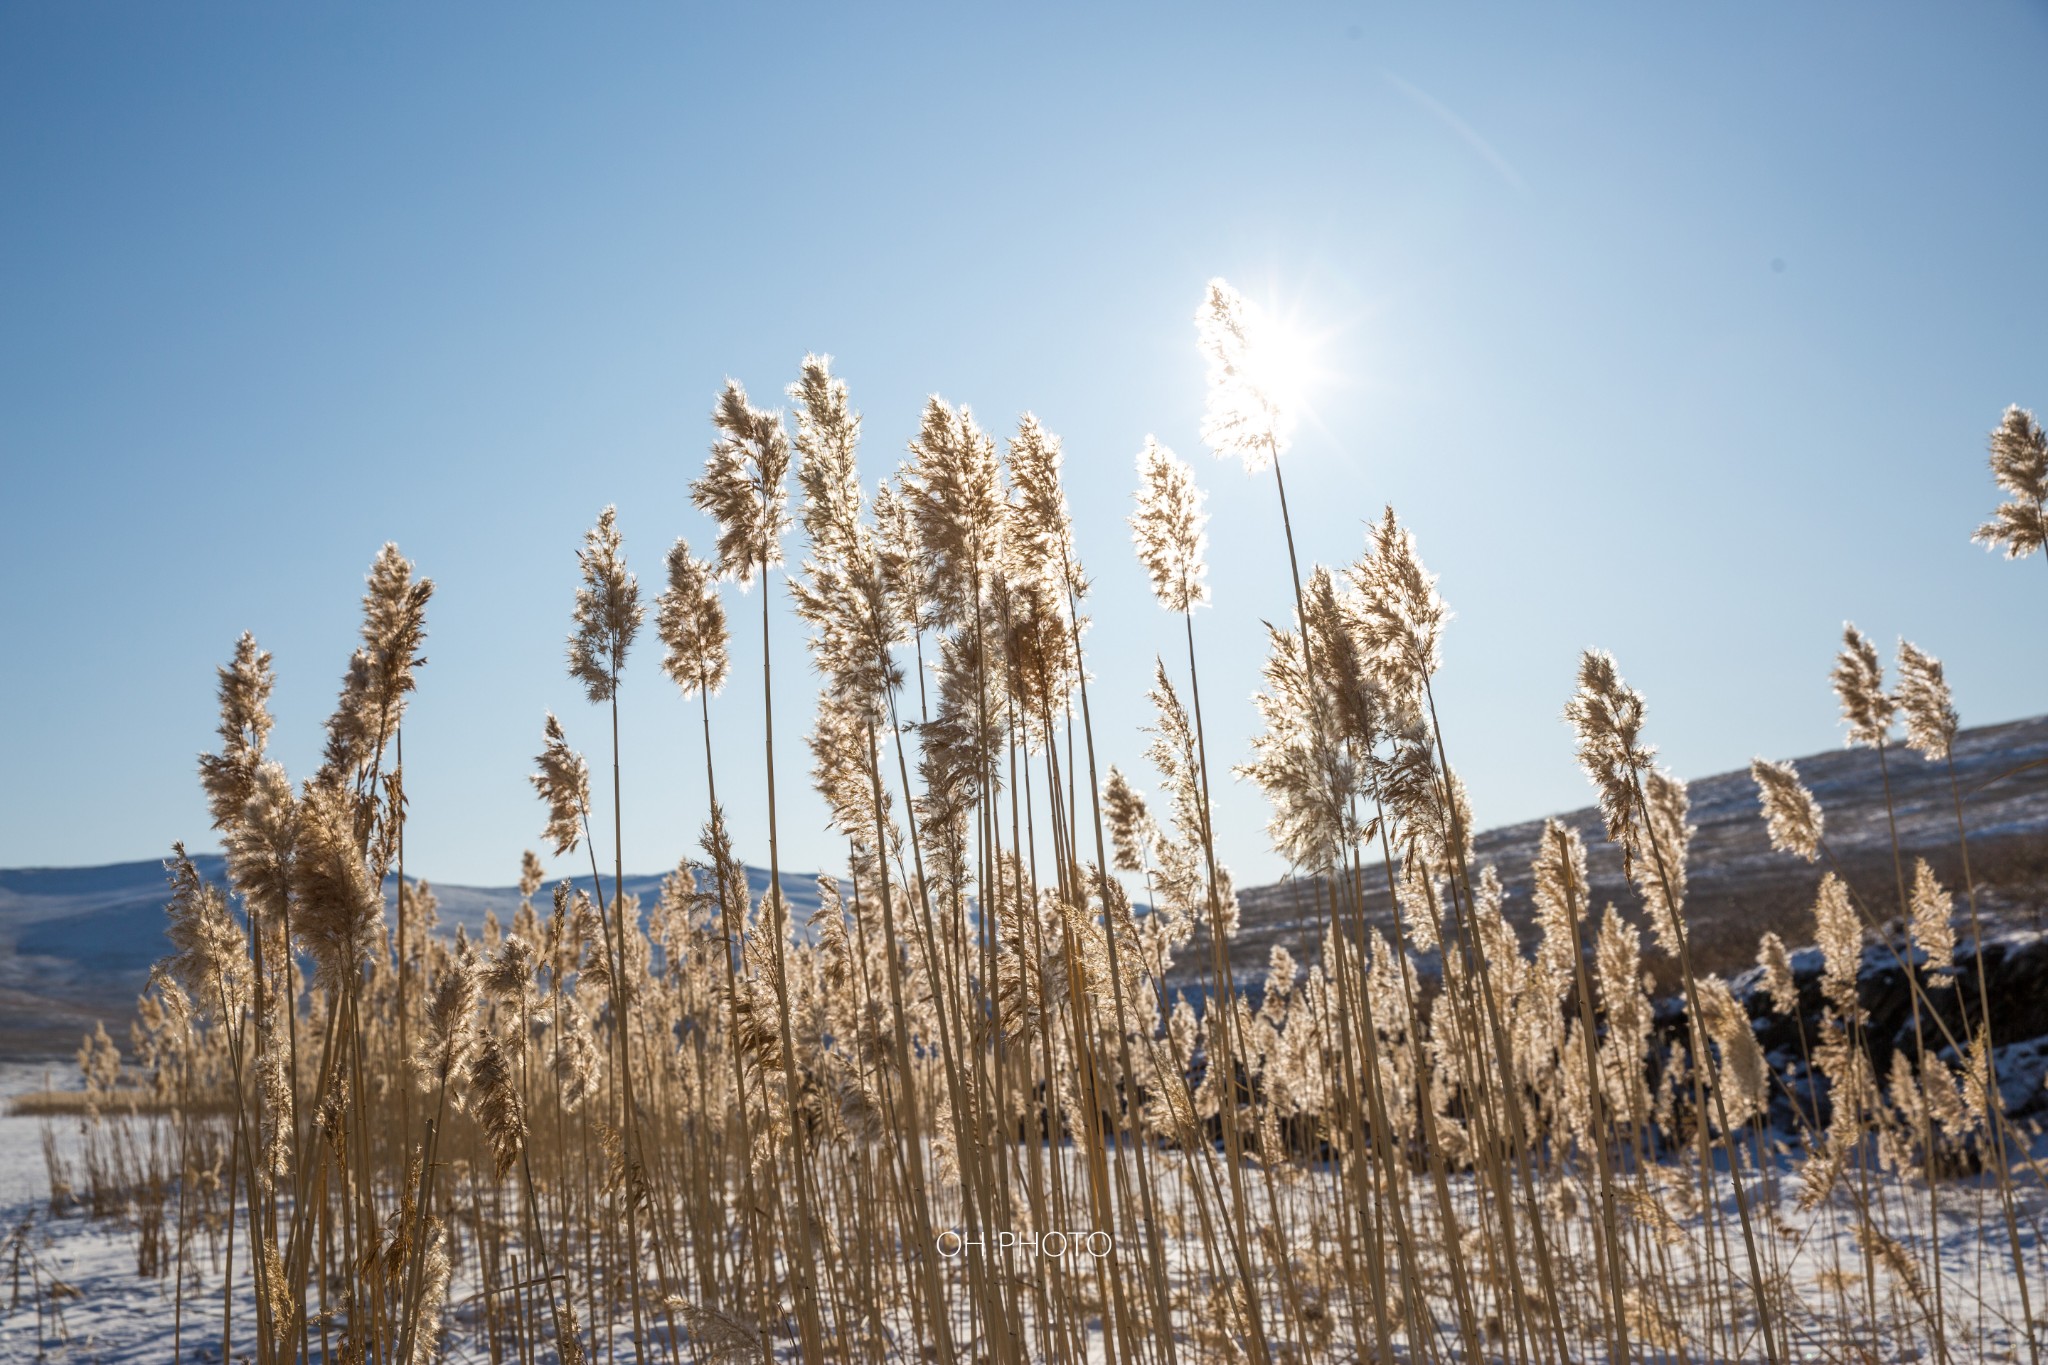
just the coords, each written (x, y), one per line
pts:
(2015, 981)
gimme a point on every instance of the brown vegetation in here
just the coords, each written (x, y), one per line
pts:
(684, 1129)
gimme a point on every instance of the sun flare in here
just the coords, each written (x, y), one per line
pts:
(1262, 368)
(1281, 361)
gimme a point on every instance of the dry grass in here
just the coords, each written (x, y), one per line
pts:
(695, 1129)
(123, 1100)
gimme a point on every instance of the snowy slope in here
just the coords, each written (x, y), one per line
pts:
(1739, 886)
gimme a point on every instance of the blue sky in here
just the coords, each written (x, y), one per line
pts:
(1672, 330)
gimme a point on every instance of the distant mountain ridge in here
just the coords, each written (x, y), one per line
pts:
(77, 943)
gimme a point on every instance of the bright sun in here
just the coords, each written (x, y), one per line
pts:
(1281, 363)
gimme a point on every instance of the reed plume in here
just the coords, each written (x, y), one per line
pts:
(743, 487)
(450, 1023)
(1629, 1015)
(906, 574)
(1560, 894)
(1858, 677)
(608, 611)
(1309, 783)
(208, 958)
(508, 973)
(494, 1100)
(1607, 716)
(262, 843)
(564, 783)
(380, 674)
(2019, 464)
(1131, 830)
(1791, 815)
(827, 447)
(1431, 815)
(1661, 880)
(1924, 700)
(245, 725)
(1245, 415)
(841, 592)
(1743, 1075)
(338, 911)
(1167, 529)
(691, 622)
(1776, 980)
(1933, 933)
(576, 1060)
(1039, 530)
(1360, 713)
(1396, 615)
(953, 491)
(394, 628)
(1182, 879)
(1839, 934)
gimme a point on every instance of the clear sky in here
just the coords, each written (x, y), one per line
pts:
(1671, 329)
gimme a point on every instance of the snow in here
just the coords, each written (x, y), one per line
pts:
(81, 1274)
(68, 1283)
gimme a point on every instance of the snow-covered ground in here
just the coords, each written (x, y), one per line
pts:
(24, 1177)
(71, 1292)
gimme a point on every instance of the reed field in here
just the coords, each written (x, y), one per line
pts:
(956, 1115)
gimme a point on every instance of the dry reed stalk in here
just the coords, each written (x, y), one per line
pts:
(848, 597)
(1039, 562)
(743, 488)
(1869, 713)
(1931, 723)
(1645, 815)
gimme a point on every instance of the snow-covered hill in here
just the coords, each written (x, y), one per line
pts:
(1739, 886)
